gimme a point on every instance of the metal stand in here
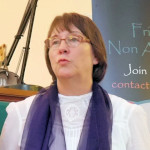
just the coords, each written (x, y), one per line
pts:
(27, 17)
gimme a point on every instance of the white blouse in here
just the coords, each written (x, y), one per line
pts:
(73, 111)
(130, 125)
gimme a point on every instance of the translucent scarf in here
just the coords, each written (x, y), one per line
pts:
(44, 129)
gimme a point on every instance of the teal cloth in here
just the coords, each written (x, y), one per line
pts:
(3, 113)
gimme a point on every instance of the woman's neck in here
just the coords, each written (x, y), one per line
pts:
(74, 88)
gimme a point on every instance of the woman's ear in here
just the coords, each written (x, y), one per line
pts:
(95, 61)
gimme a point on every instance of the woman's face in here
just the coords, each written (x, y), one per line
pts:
(71, 62)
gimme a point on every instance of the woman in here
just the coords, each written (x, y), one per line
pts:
(75, 113)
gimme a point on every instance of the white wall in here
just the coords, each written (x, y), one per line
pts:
(11, 13)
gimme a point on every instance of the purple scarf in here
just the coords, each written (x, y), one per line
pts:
(44, 129)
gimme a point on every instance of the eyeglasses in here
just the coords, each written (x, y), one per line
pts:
(71, 40)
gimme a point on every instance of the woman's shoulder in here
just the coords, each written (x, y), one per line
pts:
(123, 109)
(119, 101)
(21, 107)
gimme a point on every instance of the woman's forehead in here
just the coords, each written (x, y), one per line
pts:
(59, 29)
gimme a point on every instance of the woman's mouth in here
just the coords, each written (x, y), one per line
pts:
(63, 61)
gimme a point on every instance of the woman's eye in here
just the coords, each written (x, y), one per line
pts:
(74, 39)
(55, 41)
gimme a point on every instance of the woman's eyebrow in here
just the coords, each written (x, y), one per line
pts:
(55, 35)
(76, 32)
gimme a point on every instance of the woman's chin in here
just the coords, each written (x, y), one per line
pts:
(64, 75)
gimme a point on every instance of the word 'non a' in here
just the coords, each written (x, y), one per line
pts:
(126, 50)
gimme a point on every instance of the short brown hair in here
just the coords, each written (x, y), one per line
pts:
(91, 31)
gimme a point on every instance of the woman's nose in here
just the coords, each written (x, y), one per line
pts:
(63, 47)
